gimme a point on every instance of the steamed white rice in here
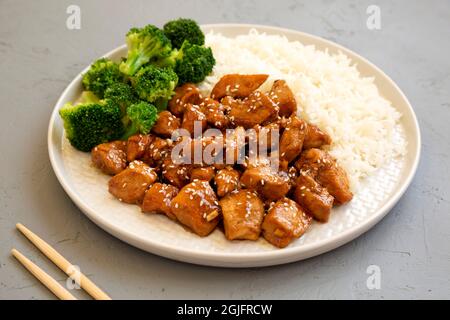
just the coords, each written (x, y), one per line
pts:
(329, 90)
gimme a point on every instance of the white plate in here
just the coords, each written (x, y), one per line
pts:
(87, 187)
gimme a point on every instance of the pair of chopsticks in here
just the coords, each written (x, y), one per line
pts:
(57, 289)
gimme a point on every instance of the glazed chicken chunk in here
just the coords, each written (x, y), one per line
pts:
(187, 93)
(156, 151)
(227, 180)
(130, 185)
(256, 162)
(166, 124)
(272, 185)
(203, 173)
(197, 208)
(335, 179)
(257, 108)
(158, 197)
(176, 174)
(137, 146)
(283, 97)
(323, 167)
(315, 138)
(285, 221)
(215, 113)
(192, 115)
(237, 85)
(313, 197)
(243, 214)
(291, 142)
(110, 157)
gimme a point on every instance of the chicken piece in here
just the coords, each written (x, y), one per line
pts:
(219, 165)
(192, 115)
(257, 108)
(196, 207)
(215, 113)
(282, 95)
(285, 221)
(137, 146)
(292, 173)
(324, 168)
(283, 165)
(256, 162)
(175, 174)
(129, 185)
(157, 199)
(157, 150)
(291, 142)
(203, 173)
(310, 161)
(271, 160)
(313, 197)
(187, 93)
(272, 185)
(110, 157)
(237, 85)
(335, 179)
(166, 124)
(227, 180)
(243, 213)
(315, 138)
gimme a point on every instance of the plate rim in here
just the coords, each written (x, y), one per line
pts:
(252, 259)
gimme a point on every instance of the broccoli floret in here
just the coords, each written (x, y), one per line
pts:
(155, 84)
(102, 74)
(89, 124)
(192, 63)
(184, 29)
(121, 94)
(141, 117)
(144, 44)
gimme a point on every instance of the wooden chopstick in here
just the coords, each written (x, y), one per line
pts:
(63, 264)
(43, 277)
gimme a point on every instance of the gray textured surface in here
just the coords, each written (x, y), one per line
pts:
(38, 58)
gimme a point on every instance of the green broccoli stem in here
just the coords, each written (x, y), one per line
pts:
(131, 130)
(131, 65)
(126, 121)
(168, 61)
(161, 104)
